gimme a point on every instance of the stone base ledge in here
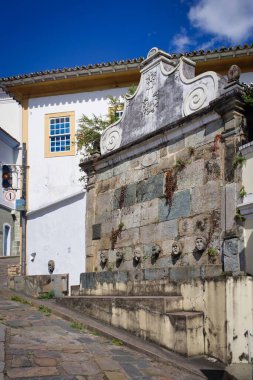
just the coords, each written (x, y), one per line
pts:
(38, 284)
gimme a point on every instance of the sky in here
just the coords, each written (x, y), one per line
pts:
(38, 35)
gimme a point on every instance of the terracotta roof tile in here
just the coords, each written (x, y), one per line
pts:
(194, 53)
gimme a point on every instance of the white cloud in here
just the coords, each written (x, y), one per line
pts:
(231, 19)
(181, 41)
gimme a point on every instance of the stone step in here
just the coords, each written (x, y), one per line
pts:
(156, 318)
(188, 327)
(99, 304)
(151, 281)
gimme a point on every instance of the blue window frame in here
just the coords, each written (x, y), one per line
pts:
(60, 134)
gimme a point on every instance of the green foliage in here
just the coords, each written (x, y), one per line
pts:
(117, 342)
(180, 164)
(212, 252)
(90, 128)
(89, 133)
(21, 300)
(243, 192)
(239, 161)
(45, 310)
(248, 94)
(77, 326)
(239, 217)
(131, 91)
(46, 295)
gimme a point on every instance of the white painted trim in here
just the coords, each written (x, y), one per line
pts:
(246, 148)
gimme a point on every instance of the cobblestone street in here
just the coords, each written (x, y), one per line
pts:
(40, 345)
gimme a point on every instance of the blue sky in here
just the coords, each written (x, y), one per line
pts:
(48, 34)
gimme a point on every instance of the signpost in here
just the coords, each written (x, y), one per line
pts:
(10, 195)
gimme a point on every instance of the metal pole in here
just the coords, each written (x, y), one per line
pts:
(23, 213)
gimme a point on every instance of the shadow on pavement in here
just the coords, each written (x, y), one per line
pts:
(217, 374)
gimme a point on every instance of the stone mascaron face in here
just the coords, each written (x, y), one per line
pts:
(176, 248)
(156, 250)
(51, 266)
(119, 256)
(137, 255)
(200, 244)
(103, 257)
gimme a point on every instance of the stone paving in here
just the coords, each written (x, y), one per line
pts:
(40, 345)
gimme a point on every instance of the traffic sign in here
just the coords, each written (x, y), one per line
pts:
(10, 195)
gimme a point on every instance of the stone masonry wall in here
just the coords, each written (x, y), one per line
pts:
(168, 196)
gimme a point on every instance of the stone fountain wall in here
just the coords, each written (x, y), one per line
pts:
(164, 191)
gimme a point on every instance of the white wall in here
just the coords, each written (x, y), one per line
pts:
(247, 77)
(57, 232)
(52, 178)
(10, 115)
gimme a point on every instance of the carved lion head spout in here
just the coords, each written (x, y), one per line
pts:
(200, 244)
(119, 256)
(103, 257)
(176, 248)
(51, 266)
(155, 251)
(137, 255)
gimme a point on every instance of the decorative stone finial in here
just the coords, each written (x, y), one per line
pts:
(234, 73)
(152, 51)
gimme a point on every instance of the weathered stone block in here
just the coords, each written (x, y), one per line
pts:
(195, 138)
(156, 233)
(150, 188)
(131, 176)
(166, 246)
(231, 255)
(149, 212)
(180, 206)
(197, 225)
(184, 273)
(163, 152)
(128, 237)
(191, 176)
(175, 146)
(211, 270)
(130, 216)
(206, 198)
(165, 163)
(212, 169)
(188, 244)
(121, 168)
(104, 202)
(151, 274)
(124, 197)
(228, 206)
(106, 185)
(96, 231)
(108, 173)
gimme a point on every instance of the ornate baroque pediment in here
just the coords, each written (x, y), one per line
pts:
(167, 91)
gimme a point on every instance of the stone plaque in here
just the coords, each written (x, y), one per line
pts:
(96, 231)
